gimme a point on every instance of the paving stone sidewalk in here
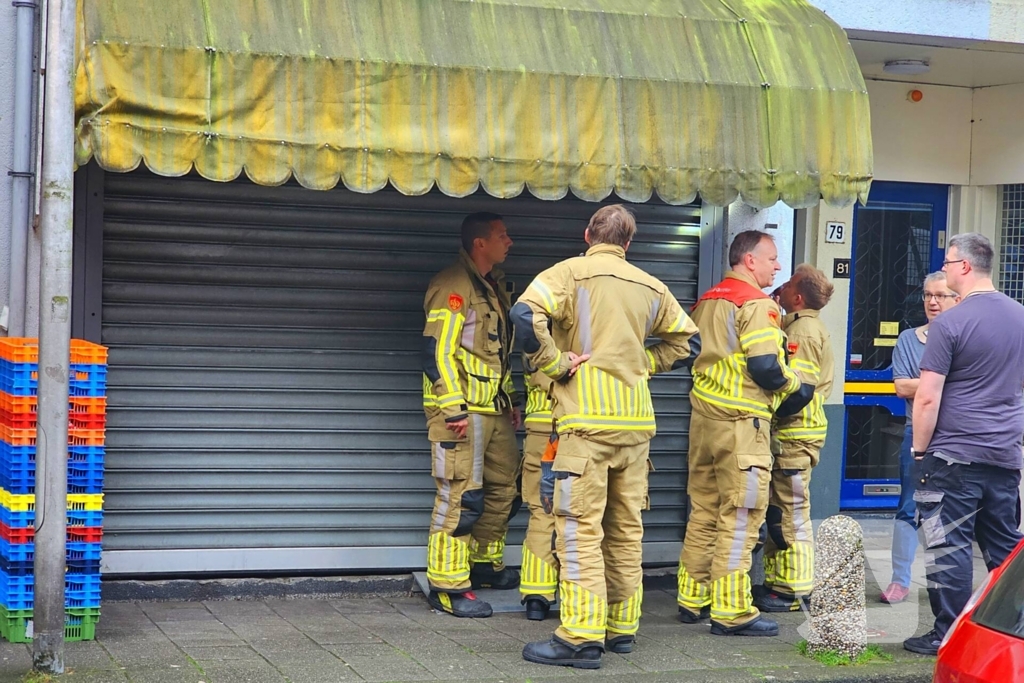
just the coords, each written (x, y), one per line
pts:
(399, 638)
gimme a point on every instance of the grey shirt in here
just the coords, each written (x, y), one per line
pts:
(906, 363)
(979, 347)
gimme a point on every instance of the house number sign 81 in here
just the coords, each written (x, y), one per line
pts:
(835, 232)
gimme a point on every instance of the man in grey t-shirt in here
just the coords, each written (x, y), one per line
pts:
(968, 425)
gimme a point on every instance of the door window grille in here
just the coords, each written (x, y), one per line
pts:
(1011, 242)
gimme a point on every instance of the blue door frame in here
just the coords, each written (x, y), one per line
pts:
(875, 387)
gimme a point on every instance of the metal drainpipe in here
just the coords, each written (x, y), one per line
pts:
(22, 175)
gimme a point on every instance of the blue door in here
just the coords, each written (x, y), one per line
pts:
(898, 239)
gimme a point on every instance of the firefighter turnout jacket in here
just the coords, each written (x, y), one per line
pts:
(608, 398)
(741, 371)
(809, 348)
(467, 343)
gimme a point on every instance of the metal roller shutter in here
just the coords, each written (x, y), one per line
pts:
(265, 383)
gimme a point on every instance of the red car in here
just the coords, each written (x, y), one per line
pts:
(986, 642)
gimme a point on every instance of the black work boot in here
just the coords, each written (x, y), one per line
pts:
(757, 627)
(483, 575)
(776, 601)
(460, 604)
(537, 607)
(688, 617)
(620, 645)
(557, 652)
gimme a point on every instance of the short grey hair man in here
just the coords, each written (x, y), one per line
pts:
(976, 249)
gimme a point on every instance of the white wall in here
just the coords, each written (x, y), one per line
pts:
(7, 14)
(970, 19)
(741, 217)
(924, 142)
(998, 156)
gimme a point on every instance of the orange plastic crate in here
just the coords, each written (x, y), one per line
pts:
(76, 437)
(18, 436)
(88, 353)
(10, 403)
(86, 437)
(26, 350)
(19, 349)
(88, 405)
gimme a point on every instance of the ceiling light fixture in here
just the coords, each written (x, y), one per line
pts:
(907, 67)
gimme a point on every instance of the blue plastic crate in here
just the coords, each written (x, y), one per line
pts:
(25, 552)
(93, 383)
(25, 568)
(80, 590)
(20, 520)
(87, 454)
(82, 478)
(85, 517)
(16, 378)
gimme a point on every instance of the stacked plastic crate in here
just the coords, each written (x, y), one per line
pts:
(87, 416)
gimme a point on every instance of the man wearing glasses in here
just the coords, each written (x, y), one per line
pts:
(968, 423)
(906, 373)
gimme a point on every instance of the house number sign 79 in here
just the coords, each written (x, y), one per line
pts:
(835, 232)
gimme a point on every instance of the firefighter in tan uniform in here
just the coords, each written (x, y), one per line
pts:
(605, 308)
(539, 582)
(472, 414)
(789, 550)
(739, 379)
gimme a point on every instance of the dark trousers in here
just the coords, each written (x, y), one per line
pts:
(958, 504)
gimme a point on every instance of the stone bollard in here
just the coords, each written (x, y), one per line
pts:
(838, 610)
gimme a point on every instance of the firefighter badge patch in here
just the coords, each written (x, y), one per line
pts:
(773, 315)
(455, 302)
(792, 347)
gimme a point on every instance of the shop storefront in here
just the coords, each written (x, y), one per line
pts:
(264, 383)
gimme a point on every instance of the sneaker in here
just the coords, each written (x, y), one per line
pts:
(483, 575)
(928, 644)
(894, 594)
(460, 604)
(557, 652)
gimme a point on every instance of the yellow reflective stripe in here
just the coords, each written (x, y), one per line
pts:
(447, 346)
(491, 552)
(624, 617)
(795, 567)
(766, 334)
(680, 323)
(652, 365)
(447, 559)
(691, 595)
(548, 299)
(802, 434)
(804, 366)
(538, 577)
(584, 615)
(730, 596)
(635, 424)
(709, 396)
(553, 365)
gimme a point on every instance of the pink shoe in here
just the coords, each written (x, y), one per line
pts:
(894, 594)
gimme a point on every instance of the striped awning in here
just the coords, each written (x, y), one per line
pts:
(753, 99)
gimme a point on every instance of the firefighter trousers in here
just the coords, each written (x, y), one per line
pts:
(729, 473)
(476, 480)
(600, 491)
(789, 550)
(540, 568)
